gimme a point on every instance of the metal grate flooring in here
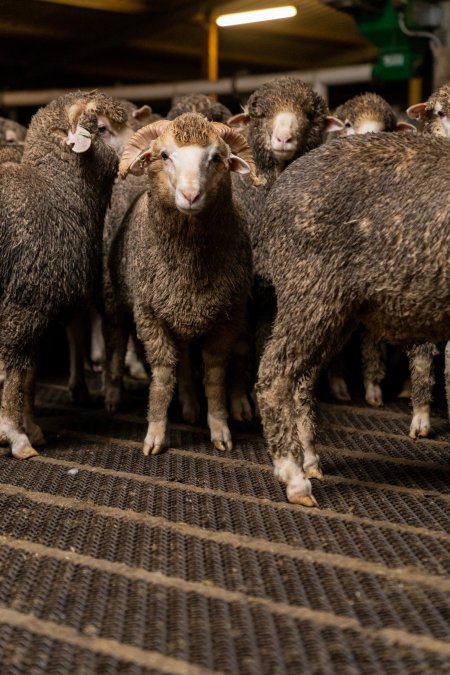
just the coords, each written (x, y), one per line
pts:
(192, 562)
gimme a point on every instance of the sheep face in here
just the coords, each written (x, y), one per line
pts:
(285, 119)
(368, 113)
(435, 113)
(188, 160)
(95, 115)
(11, 131)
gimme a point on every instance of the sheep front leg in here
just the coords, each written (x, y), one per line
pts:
(161, 354)
(239, 378)
(422, 380)
(12, 414)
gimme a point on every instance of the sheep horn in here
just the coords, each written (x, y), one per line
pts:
(239, 146)
(138, 145)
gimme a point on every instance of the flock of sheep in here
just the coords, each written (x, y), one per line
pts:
(247, 235)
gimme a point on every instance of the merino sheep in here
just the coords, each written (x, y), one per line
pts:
(52, 210)
(11, 131)
(371, 248)
(368, 113)
(283, 119)
(434, 114)
(181, 263)
(365, 113)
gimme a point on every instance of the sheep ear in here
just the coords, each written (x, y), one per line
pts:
(239, 122)
(418, 111)
(138, 166)
(238, 165)
(142, 113)
(405, 127)
(80, 140)
(333, 124)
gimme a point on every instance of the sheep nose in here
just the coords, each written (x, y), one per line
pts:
(191, 196)
(284, 138)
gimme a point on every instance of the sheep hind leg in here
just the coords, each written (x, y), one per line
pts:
(275, 398)
(12, 414)
(216, 350)
(422, 380)
(33, 430)
(115, 332)
(78, 391)
(187, 395)
(373, 368)
(239, 378)
(336, 382)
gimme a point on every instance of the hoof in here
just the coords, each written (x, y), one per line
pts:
(221, 445)
(374, 395)
(420, 424)
(152, 450)
(138, 372)
(339, 389)
(406, 390)
(25, 452)
(190, 411)
(303, 500)
(314, 472)
(241, 410)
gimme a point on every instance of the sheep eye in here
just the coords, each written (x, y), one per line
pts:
(102, 129)
(309, 116)
(10, 140)
(164, 155)
(215, 158)
(441, 114)
(348, 125)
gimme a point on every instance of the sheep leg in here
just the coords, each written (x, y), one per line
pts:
(336, 382)
(286, 379)
(12, 414)
(78, 391)
(239, 376)
(275, 397)
(97, 341)
(132, 358)
(32, 429)
(373, 368)
(115, 335)
(422, 381)
(447, 376)
(190, 407)
(161, 353)
(216, 350)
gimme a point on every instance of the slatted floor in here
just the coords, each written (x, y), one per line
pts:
(192, 562)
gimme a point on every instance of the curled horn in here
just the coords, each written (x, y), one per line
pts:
(138, 144)
(240, 147)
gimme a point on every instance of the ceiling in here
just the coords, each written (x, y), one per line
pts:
(88, 43)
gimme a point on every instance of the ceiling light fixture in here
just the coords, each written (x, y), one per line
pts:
(238, 18)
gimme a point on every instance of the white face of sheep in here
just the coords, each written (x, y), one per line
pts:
(437, 117)
(112, 136)
(284, 135)
(191, 171)
(364, 126)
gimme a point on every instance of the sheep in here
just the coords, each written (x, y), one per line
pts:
(52, 208)
(123, 194)
(11, 131)
(181, 263)
(212, 110)
(434, 114)
(365, 113)
(370, 244)
(283, 119)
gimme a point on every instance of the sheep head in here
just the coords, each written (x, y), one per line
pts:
(368, 113)
(434, 113)
(187, 158)
(96, 115)
(285, 119)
